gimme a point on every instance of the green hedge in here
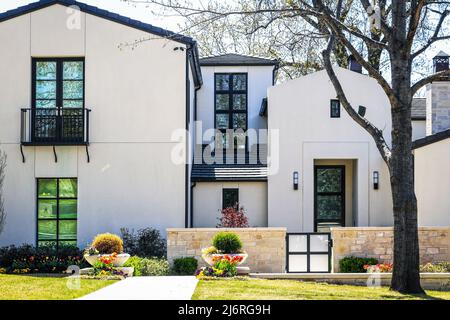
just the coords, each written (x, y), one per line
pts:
(148, 266)
(355, 264)
(185, 266)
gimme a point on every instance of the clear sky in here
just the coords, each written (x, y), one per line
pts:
(145, 14)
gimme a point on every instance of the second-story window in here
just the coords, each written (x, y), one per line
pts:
(335, 109)
(231, 108)
(58, 99)
(58, 83)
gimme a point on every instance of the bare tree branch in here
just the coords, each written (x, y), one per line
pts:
(376, 134)
(430, 79)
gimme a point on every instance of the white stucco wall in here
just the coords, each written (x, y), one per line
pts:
(208, 202)
(432, 183)
(137, 99)
(300, 110)
(259, 79)
(419, 129)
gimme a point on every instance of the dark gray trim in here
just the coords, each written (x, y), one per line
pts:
(431, 139)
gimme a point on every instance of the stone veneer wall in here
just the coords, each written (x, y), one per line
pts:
(266, 247)
(374, 242)
(438, 107)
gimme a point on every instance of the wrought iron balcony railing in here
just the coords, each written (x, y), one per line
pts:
(55, 126)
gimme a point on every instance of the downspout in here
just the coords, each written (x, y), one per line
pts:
(186, 170)
(193, 185)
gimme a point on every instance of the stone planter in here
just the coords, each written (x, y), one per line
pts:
(210, 257)
(118, 262)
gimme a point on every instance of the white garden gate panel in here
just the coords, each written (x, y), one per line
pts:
(308, 252)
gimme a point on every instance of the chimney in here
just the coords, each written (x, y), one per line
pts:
(440, 62)
(354, 65)
(438, 98)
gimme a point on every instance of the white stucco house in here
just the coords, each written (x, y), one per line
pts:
(88, 119)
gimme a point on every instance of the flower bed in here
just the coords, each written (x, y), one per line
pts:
(379, 268)
(29, 259)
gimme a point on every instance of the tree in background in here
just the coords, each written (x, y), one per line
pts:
(388, 38)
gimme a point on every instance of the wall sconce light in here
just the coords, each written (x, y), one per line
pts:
(376, 180)
(295, 178)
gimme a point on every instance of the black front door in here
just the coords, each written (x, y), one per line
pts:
(329, 197)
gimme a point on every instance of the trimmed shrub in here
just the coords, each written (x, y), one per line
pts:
(145, 243)
(355, 264)
(107, 243)
(136, 263)
(155, 267)
(185, 266)
(148, 266)
(227, 242)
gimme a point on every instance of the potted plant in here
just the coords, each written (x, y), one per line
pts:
(225, 246)
(106, 245)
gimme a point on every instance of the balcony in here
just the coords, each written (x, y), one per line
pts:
(54, 126)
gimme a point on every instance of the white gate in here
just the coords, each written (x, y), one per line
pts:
(308, 252)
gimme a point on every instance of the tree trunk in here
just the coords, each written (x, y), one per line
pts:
(406, 276)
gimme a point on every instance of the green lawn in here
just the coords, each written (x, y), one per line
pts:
(259, 289)
(39, 287)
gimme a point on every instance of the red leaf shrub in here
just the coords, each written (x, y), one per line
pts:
(233, 217)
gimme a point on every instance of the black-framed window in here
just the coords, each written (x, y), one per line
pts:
(230, 105)
(335, 108)
(329, 197)
(230, 197)
(57, 203)
(58, 82)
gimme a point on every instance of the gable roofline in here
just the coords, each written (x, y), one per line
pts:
(95, 11)
(431, 139)
(114, 17)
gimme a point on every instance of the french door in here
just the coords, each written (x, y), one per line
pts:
(329, 197)
(57, 99)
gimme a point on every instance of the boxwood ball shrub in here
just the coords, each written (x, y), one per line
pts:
(227, 242)
(355, 264)
(185, 266)
(107, 243)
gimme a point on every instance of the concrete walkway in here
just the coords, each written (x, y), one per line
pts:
(147, 288)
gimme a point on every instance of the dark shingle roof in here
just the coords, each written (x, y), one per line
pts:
(431, 139)
(215, 172)
(418, 109)
(233, 59)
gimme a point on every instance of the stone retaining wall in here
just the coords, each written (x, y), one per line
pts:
(266, 247)
(375, 242)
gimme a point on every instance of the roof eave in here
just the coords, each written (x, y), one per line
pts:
(14, 13)
(440, 136)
